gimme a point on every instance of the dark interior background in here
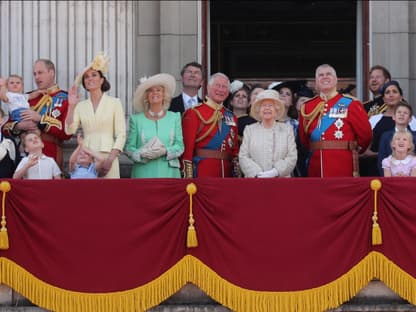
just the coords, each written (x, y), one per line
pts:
(269, 40)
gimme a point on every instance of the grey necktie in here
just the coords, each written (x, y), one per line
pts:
(191, 102)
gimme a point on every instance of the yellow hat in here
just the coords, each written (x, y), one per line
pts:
(100, 63)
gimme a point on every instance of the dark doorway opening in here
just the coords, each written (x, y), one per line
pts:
(278, 40)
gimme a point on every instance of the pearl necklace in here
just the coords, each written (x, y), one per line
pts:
(158, 114)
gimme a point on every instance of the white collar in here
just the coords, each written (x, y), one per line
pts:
(405, 129)
(186, 98)
(401, 161)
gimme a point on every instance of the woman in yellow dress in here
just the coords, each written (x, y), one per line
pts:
(101, 116)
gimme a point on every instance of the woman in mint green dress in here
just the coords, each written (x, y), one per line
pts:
(154, 141)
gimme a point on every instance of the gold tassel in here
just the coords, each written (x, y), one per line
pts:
(376, 236)
(4, 237)
(191, 239)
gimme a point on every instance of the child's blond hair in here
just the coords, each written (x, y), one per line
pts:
(409, 136)
(15, 76)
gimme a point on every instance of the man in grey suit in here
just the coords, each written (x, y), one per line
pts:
(192, 77)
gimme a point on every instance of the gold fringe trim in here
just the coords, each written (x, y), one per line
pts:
(191, 269)
(331, 295)
(57, 299)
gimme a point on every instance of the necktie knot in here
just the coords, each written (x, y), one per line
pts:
(191, 102)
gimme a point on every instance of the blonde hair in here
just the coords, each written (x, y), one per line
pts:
(409, 136)
(15, 76)
(166, 98)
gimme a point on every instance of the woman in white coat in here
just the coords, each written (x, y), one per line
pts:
(268, 149)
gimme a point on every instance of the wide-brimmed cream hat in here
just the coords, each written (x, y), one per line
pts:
(100, 63)
(267, 95)
(167, 81)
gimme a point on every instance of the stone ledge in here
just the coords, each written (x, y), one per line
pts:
(189, 308)
(375, 308)
(375, 297)
(21, 309)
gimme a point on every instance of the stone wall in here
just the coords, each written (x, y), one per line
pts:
(393, 42)
(375, 297)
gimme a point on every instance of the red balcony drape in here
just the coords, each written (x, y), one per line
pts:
(76, 241)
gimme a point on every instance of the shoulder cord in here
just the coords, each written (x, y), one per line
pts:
(45, 100)
(216, 117)
(312, 115)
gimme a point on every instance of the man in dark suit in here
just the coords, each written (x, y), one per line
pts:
(379, 75)
(192, 77)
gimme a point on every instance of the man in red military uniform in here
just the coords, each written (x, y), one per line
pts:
(210, 134)
(334, 127)
(47, 112)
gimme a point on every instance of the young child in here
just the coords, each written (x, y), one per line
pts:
(402, 162)
(8, 157)
(11, 92)
(402, 116)
(36, 165)
(84, 163)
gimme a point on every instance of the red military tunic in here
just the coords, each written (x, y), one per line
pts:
(346, 123)
(201, 122)
(53, 109)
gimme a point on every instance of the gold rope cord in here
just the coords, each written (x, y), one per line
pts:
(45, 100)
(376, 237)
(216, 116)
(312, 115)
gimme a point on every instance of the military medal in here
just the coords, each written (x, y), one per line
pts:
(232, 133)
(56, 113)
(338, 134)
(339, 123)
(338, 112)
(229, 120)
(57, 103)
(230, 143)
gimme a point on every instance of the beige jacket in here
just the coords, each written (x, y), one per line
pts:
(263, 149)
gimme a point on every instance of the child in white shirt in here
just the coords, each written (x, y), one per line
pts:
(36, 165)
(11, 92)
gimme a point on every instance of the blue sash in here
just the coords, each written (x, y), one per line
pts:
(216, 140)
(327, 121)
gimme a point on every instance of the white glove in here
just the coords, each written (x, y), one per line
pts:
(159, 151)
(268, 174)
(153, 153)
